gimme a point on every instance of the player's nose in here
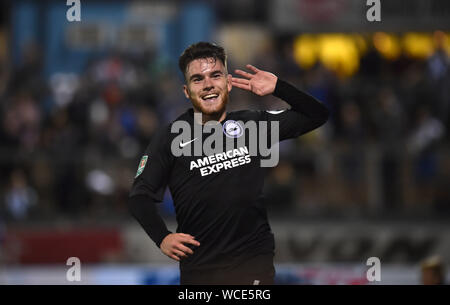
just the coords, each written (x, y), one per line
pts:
(208, 84)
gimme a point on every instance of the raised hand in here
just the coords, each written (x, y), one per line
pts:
(260, 82)
(173, 245)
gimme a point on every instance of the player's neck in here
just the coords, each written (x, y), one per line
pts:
(213, 117)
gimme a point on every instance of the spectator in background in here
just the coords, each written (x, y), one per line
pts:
(351, 154)
(389, 119)
(422, 145)
(286, 61)
(371, 64)
(441, 202)
(20, 197)
(319, 82)
(21, 122)
(433, 271)
(28, 76)
(438, 69)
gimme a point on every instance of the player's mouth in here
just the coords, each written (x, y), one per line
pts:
(213, 97)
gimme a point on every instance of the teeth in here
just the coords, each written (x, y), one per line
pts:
(210, 96)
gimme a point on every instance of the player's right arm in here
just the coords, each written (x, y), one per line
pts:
(148, 189)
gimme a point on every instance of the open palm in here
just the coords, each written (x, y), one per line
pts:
(261, 82)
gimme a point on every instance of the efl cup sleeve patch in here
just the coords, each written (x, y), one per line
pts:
(142, 164)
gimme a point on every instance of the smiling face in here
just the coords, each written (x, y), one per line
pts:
(207, 86)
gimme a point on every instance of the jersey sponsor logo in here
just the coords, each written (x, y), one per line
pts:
(261, 139)
(142, 164)
(233, 129)
(222, 161)
(186, 143)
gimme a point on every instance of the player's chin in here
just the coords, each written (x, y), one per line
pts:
(213, 108)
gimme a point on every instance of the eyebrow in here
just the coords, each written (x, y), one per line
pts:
(201, 76)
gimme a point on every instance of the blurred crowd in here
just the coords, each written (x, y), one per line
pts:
(71, 143)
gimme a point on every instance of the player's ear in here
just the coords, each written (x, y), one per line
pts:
(230, 86)
(186, 91)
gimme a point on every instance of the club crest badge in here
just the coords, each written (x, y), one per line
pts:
(233, 129)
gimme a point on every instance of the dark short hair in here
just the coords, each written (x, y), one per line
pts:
(201, 50)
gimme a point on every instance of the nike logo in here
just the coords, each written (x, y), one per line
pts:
(186, 143)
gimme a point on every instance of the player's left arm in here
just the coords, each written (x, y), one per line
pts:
(306, 114)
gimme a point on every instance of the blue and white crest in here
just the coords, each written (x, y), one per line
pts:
(233, 129)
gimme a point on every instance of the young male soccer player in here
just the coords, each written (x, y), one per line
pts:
(223, 234)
